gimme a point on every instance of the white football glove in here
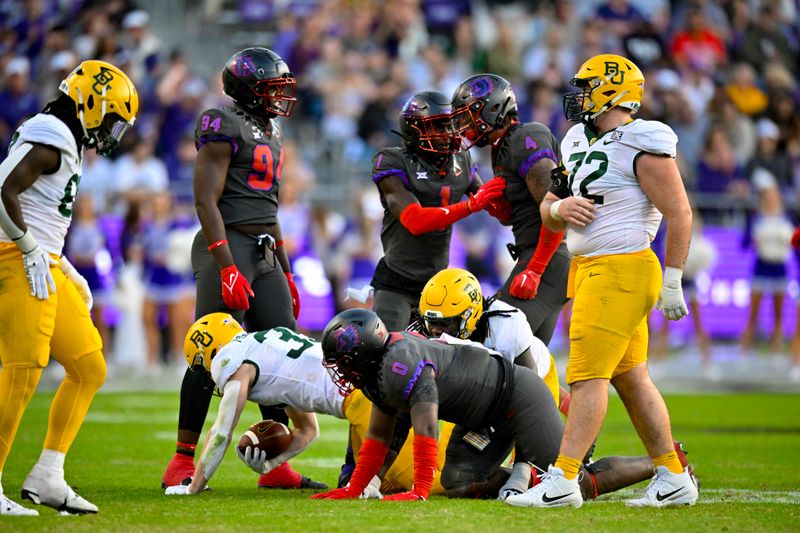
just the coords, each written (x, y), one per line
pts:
(671, 301)
(80, 282)
(178, 490)
(37, 264)
(373, 490)
(257, 460)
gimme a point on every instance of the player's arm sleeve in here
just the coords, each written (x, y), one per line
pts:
(234, 397)
(215, 126)
(559, 182)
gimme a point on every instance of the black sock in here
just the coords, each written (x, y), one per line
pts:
(196, 391)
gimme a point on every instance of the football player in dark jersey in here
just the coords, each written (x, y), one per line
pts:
(239, 261)
(421, 186)
(495, 404)
(523, 156)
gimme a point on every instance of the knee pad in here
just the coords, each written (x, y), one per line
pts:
(89, 370)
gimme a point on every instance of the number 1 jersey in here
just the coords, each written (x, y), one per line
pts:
(47, 204)
(251, 188)
(604, 169)
(289, 370)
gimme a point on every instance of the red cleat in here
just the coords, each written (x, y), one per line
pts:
(179, 471)
(285, 477)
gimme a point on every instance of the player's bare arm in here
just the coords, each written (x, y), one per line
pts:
(234, 399)
(574, 210)
(210, 172)
(396, 195)
(661, 182)
(538, 178)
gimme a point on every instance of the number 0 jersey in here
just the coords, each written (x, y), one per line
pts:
(47, 204)
(251, 188)
(289, 370)
(603, 169)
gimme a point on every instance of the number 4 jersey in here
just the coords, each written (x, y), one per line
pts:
(251, 188)
(47, 204)
(604, 169)
(289, 370)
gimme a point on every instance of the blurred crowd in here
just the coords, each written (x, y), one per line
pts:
(722, 73)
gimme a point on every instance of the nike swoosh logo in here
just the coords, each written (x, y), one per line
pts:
(446, 211)
(661, 497)
(548, 499)
(232, 282)
(608, 142)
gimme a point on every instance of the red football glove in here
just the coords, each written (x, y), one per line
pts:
(403, 497)
(487, 193)
(525, 284)
(344, 493)
(796, 238)
(235, 288)
(294, 293)
(500, 209)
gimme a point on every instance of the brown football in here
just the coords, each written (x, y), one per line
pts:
(267, 435)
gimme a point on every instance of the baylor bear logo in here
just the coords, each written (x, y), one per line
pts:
(613, 73)
(101, 79)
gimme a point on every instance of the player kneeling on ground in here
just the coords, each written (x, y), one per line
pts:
(495, 404)
(272, 367)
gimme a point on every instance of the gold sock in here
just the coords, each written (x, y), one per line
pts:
(570, 466)
(670, 460)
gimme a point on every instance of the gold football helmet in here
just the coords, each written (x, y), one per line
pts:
(106, 103)
(207, 336)
(605, 81)
(452, 302)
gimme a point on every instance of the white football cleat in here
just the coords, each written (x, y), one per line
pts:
(51, 490)
(555, 490)
(667, 489)
(9, 507)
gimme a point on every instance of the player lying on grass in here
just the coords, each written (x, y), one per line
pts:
(495, 405)
(273, 367)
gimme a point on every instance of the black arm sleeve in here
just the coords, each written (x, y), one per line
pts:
(560, 182)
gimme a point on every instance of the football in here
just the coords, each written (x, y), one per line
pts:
(269, 436)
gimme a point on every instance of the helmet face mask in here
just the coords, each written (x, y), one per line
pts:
(106, 138)
(426, 124)
(278, 95)
(449, 325)
(470, 126)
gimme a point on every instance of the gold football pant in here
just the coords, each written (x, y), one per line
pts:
(400, 477)
(32, 329)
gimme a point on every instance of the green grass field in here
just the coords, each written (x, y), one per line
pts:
(745, 449)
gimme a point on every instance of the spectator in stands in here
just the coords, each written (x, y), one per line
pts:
(739, 129)
(17, 99)
(619, 17)
(144, 47)
(772, 235)
(97, 180)
(743, 91)
(719, 173)
(138, 175)
(769, 158)
(764, 41)
(180, 167)
(645, 46)
(698, 44)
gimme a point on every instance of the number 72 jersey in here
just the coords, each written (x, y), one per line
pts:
(603, 169)
(251, 188)
(288, 367)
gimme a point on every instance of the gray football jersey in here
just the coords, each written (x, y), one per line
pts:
(420, 257)
(523, 146)
(466, 377)
(251, 188)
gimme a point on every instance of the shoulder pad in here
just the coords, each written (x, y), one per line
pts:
(218, 124)
(47, 130)
(388, 162)
(650, 136)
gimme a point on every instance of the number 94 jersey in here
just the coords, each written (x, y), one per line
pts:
(289, 370)
(604, 169)
(251, 188)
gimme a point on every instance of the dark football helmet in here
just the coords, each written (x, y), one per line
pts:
(260, 82)
(480, 106)
(353, 344)
(425, 123)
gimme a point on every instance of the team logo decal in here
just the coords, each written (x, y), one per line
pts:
(617, 135)
(481, 87)
(613, 73)
(256, 131)
(201, 338)
(422, 175)
(243, 66)
(472, 292)
(346, 339)
(101, 79)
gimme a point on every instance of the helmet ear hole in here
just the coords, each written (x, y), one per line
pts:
(90, 102)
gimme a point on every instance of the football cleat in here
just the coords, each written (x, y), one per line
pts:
(179, 471)
(9, 507)
(554, 490)
(308, 483)
(667, 489)
(43, 488)
(286, 477)
(681, 451)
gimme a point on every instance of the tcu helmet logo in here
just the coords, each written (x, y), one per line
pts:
(481, 87)
(346, 339)
(101, 79)
(613, 73)
(201, 338)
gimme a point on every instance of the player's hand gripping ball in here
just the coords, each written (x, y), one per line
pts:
(266, 436)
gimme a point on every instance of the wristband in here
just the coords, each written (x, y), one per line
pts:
(672, 276)
(554, 210)
(217, 244)
(27, 243)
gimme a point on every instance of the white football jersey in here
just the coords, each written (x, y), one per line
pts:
(288, 367)
(602, 169)
(47, 204)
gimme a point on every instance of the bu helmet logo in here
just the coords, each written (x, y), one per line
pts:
(101, 79)
(200, 338)
(472, 292)
(613, 73)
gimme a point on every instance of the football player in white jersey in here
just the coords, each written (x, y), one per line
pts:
(44, 302)
(277, 367)
(620, 178)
